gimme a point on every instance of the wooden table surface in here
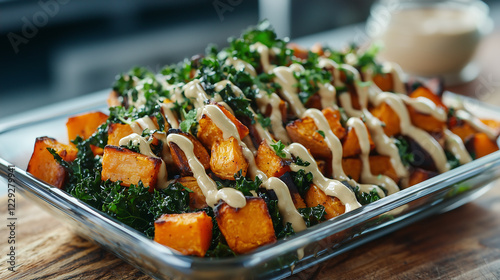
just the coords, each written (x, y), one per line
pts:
(463, 243)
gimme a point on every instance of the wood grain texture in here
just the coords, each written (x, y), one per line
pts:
(463, 244)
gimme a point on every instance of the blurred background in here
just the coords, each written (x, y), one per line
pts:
(52, 50)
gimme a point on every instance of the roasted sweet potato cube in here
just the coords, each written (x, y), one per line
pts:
(227, 159)
(247, 228)
(270, 163)
(43, 165)
(304, 131)
(493, 124)
(315, 196)
(209, 133)
(463, 130)
(425, 121)
(119, 164)
(382, 165)
(242, 129)
(298, 201)
(391, 120)
(117, 131)
(298, 50)
(419, 175)
(114, 99)
(480, 145)
(188, 233)
(180, 159)
(427, 93)
(85, 125)
(352, 168)
(197, 199)
(333, 117)
(384, 81)
(351, 146)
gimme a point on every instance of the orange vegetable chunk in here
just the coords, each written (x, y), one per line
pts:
(315, 196)
(43, 165)
(247, 228)
(119, 164)
(227, 159)
(188, 233)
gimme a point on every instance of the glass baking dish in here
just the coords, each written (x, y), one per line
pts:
(316, 244)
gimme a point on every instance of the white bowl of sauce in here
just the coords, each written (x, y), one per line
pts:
(431, 38)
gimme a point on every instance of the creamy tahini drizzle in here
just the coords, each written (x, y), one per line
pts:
(330, 187)
(424, 139)
(241, 65)
(285, 204)
(383, 144)
(231, 196)
(195, 92)
(166, 109)
(476, 124)
(425, 106)
(331, 140)
(285, 78)
(328, 96)
(454, 144)
(366, 174)
(279, 131)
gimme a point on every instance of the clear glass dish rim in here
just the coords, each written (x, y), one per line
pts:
(64, 202)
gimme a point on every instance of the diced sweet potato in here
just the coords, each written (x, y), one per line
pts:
(462, 129)
(247, 228)
(425, 121)
(298, 50)
(315, 196)
(317, 48)
(351, 146)
(382, 165)
(85, 125)
(180, 159)
(119, 164)
(384, 81)
(480, 145)
(427, 93)
(209, 133)
(419, 175)
(298, 201)
(43, 165)
(197, 199)
(493, 124)
(352, 168)
(117, 131)
(304, 131)
(242, 129)
(270, 163)
(227, 159)
(113, 99)
(188, 233)
(391, 120)
(333, 117)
